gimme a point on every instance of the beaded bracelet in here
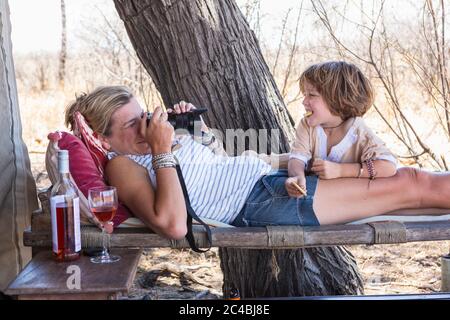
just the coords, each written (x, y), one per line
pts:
(162, 155)
(370, 169)
(163, 160)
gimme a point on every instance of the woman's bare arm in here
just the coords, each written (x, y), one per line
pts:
(163, 210)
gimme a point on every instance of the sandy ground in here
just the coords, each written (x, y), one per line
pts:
(388, 269)
(183, 274)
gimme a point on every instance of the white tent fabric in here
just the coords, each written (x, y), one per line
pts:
(17, 187)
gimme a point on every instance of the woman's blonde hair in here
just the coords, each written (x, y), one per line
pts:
(343, 86)
(97, 107)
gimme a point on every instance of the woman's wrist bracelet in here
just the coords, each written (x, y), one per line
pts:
(162, 155)
(163, 160)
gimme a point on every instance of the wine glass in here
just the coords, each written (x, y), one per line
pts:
(103, 204)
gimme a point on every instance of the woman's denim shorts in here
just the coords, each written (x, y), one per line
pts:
(270, 204)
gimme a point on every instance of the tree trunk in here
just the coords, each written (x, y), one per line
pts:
(286, 273)
(204, 52)
(17, 188)
(63, 52)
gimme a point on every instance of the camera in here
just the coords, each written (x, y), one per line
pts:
(190, 121)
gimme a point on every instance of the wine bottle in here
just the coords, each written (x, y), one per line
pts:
(65, 211)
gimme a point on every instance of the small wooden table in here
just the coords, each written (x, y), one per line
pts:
(46, 279)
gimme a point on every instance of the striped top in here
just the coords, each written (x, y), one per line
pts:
(217, 185)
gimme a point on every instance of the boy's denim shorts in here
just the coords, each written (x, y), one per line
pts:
(270, 204)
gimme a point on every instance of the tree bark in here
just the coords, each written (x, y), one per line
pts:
(63, 52)
(204, 52)
(286, 273)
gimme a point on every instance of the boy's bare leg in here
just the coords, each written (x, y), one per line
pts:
(344, 200)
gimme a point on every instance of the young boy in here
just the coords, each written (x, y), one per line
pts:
(332, 139)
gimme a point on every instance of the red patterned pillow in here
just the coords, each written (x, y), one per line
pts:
(94, 146)
(83, 169)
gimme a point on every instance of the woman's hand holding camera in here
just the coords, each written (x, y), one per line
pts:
(183, 107)
(159, 132)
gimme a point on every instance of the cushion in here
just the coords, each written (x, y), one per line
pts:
(93, 145)
(410, 215)
(137, 223)
(84, 173)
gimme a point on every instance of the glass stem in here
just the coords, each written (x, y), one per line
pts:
(105, 252)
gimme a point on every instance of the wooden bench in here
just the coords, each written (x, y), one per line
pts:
(46, 279)
(39, 235)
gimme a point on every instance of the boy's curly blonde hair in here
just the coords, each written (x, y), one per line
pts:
(342, 85)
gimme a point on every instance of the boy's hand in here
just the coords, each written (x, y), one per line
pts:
(292, 189)
(326, 169)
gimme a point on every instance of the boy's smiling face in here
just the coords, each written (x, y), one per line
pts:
(316, 106)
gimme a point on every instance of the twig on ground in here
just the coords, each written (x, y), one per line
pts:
(181, 272)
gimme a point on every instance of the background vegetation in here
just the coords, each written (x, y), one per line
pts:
(401, 45)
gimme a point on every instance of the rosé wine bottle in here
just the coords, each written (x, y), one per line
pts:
(65, 212)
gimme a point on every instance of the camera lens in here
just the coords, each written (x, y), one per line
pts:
(190, 121)
(149, 116)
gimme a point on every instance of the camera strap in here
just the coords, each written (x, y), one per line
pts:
(192, 215)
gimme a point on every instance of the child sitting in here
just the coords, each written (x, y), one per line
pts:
(332, 139)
